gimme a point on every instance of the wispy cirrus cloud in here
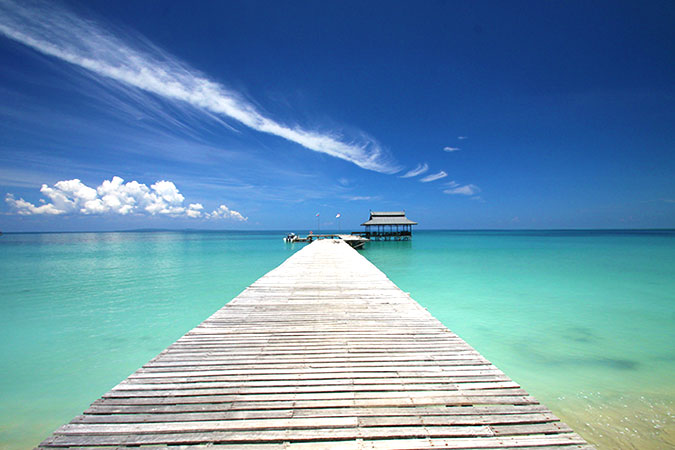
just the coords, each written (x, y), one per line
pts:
(467, 189)
(451, 149)
(117, 197)
(361, 198)
(434, 177)
(420, 169)
(57, 32)
(461, 138)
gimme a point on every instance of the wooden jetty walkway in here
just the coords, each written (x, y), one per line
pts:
(354, 240)
(322, 352)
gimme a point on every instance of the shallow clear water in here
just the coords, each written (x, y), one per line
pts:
(80, 312)
(583, 320)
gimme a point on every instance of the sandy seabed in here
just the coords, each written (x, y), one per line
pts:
(620, 422)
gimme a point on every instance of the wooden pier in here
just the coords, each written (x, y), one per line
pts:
(354, 240)
(323, 352)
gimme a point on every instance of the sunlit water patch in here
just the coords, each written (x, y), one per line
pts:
(583, 320)
(80, 312)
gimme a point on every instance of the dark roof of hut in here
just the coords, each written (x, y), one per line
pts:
(388, 218)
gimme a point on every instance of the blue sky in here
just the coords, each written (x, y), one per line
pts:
(256, 115)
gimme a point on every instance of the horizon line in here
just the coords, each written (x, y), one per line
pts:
(328, 231)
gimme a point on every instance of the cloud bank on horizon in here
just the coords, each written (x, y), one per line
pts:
(117, 197)
(57, 32)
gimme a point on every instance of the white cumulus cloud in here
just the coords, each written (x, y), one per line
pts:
(467, 189)
(434, 177)
(25, 208)
(223, 212)
(451, 149)
(135, 62)
(420, 169)
(194, 210)
(117, 197)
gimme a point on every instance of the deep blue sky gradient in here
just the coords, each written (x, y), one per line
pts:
(568, 110)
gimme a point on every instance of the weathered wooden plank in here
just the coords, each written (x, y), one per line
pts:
(412, 398)
(366, 418)
(228, 408)
(328, 372)
(412, 382)
(130, 389)
(211, 425)
(301, 393)
(322, 352)
(206, 382)
(265, 435)
(298, 359)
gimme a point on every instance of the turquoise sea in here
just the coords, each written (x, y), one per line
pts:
(584, 320)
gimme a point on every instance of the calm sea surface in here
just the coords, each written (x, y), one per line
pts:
(585, 321)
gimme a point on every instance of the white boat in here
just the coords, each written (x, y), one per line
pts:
(290, 237)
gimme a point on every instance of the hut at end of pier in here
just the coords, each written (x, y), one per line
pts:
(388, 225)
